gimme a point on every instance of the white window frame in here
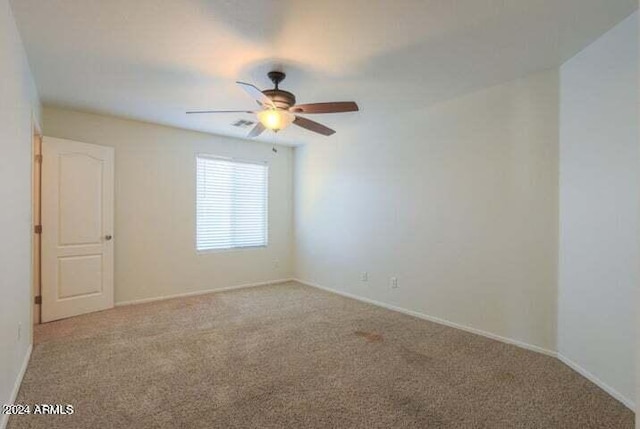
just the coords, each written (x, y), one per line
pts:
(236, 160)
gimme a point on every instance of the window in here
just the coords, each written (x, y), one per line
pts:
(231, 203)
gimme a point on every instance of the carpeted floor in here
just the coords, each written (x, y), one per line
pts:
(289, 356)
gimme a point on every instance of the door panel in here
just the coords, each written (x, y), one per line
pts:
(77, 226)
(79, 276)
(80, 202)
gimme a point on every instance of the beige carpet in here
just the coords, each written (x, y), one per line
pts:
(289, 356)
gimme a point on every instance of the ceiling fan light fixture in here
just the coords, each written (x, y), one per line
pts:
(275, 119)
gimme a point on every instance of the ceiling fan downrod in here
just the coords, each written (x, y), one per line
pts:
(276, 77)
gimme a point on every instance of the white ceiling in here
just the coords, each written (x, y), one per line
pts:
(154, 59)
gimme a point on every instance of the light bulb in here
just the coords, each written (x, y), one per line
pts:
(275, 119)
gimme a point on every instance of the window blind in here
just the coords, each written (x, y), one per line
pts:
(231, 203)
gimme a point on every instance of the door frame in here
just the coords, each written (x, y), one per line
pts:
(36, 198)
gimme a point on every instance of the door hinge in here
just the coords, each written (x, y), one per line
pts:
(38, 158)
(38, 299)
(37, 229)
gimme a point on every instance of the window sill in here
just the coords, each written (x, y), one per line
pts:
(229, 249)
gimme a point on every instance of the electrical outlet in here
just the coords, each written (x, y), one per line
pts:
(394, 282)
(276, 264)
(364, 276)
(19, 330)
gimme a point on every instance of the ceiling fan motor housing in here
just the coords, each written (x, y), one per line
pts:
(282, 99)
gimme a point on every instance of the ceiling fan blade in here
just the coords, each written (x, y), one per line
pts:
(256, 131)
(218, 111)
(313, 126)
(257, 95)
(334, 107)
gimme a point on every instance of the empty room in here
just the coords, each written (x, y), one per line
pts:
(319, 214)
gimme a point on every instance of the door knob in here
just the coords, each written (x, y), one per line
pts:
(108, 237)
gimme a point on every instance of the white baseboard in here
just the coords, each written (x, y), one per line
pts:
(4, 418)
(595, 380)
(435, 320)
(201, 292)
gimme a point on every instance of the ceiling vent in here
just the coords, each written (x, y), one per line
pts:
(243, 123)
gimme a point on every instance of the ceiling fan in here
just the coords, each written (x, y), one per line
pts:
(279, 109)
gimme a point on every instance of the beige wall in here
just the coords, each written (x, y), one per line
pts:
(458, 201)
(154, 235)
(599, 209)
(18, 105)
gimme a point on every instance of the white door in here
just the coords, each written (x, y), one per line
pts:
(77, 228)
